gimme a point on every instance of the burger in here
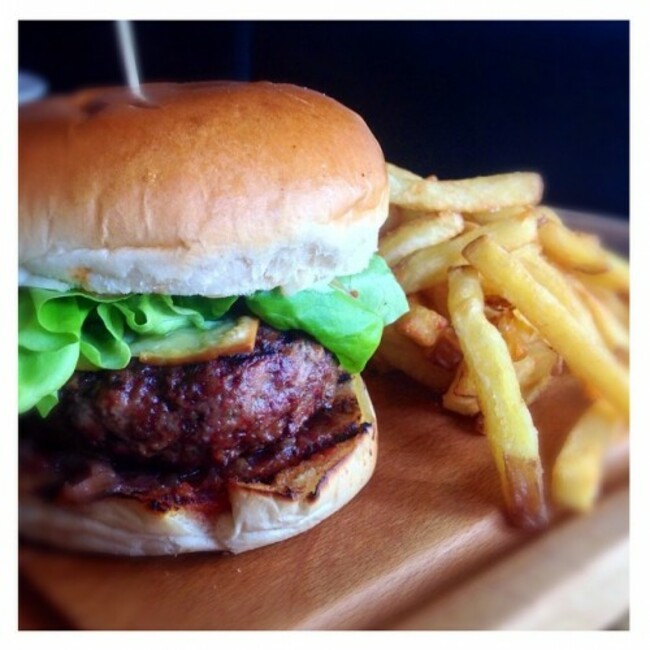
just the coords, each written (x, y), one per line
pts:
(199, 292)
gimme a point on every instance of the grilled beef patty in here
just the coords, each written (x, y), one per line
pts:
(195, 415)
(69, 476)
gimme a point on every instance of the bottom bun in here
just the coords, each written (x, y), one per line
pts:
(297, 499)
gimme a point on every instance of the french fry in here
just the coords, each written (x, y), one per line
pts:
(619, 270)
(508, 424)
(429, 266)
(590, 361)
(414, 215)
(436, 298)
(470, 225)
(421, 325)
(419, 233)
(399, 180)
(572, 250)
(407, 356)
(490, 216)
(515, 332)
(524, 369)
(446, 351)
(613, 332)
(399, 176)
(615, 278)
(578, 469)
(461, 396)
(544, 213)
(618, 304)
(552, 279)
(468, 195)
(393, 220)
(495, 305)
(535, 370)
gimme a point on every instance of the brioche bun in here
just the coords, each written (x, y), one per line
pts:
(211, 188)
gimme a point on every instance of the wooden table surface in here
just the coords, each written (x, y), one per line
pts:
(428, 526)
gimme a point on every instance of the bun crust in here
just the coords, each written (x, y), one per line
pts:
(297, 499)
(213, 189)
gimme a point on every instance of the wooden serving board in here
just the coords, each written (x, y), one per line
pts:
(429, 522)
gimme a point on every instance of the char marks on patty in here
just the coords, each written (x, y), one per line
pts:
(70, 476)
(194, 415)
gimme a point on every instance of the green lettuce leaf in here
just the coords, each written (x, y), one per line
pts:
(346, 316)
(49, 339)
(60, 332)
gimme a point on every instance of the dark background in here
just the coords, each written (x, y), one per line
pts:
(452, 98)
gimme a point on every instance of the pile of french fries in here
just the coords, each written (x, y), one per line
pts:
(503, 295)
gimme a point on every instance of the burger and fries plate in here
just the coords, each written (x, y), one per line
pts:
(431, 518)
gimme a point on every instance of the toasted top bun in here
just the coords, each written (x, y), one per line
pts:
(207, 188)
(260, 513)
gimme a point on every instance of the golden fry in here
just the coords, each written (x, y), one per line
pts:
(399, 180)
(557, 283)
(446, 352)
(468, 195)
(461, 396)
(617, 303)
(490, 216)
(515, 333)
(421, 325)
(544, 213)
(429, 266)
(399, 177)
(419, 233)
(589, 360)
(508, 424)
(615, 278)
(578, 469)
(436, 298)
(571, 249)
(535, 370)
(414, 215)
(407, 356)
(613, 332)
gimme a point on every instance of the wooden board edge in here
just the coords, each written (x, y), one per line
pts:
(575, 577)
